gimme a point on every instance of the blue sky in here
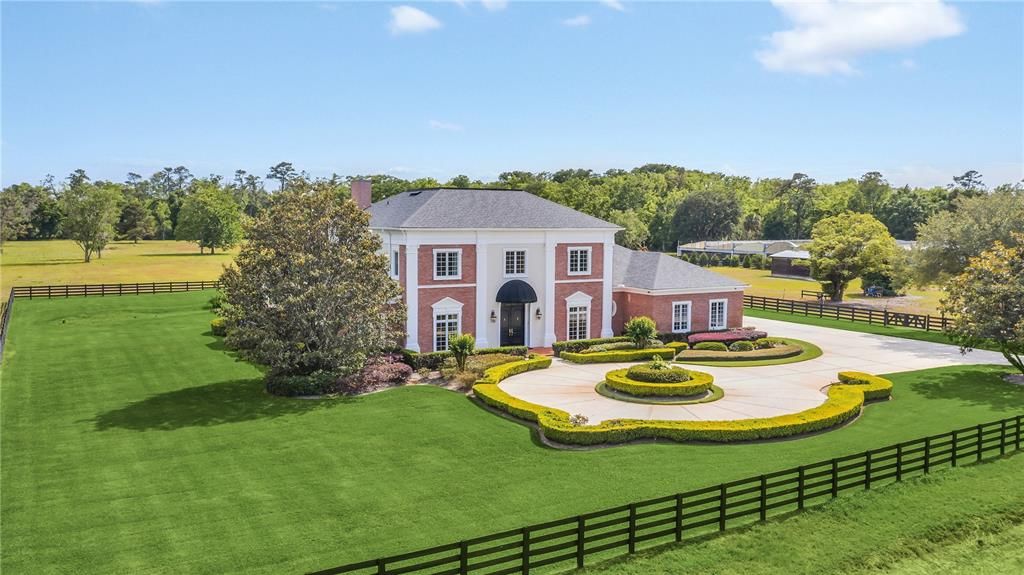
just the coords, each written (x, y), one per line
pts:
(920, 92)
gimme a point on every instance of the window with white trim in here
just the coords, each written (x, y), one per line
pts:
(395, 260)
(447, 264)
(718, 314)
(579, 322)
(680, 316)
(515, 263)
(579, 261)
(446, 326)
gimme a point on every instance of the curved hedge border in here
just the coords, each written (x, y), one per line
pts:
(796, 351)
(872, 386)
(499, 372)
(713, 394)
(843, 404)
(698, 383)
(619, 356)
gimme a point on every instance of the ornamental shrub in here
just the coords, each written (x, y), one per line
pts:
(379, 372)
(316, 383)
(746, 261)
(741, 346)
(619, 355)
(462, 346)
(641, 330)
(764, 343)
(217, 300)
(219, 326)
(780, 352)
(702, 260)
(609, 347)
(578, 345)
(728, 336)
(696, 383)
(711, 346)
(648, 373)
(678, 345)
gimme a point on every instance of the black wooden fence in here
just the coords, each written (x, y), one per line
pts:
(571, 540)
(86, 290)
(855, 314)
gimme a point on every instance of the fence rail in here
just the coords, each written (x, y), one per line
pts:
(854, 314)
(571, 540)
(86, 290)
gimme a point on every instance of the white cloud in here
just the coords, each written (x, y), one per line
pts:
(494, 5)
(446, 126)
(408, 20)
(614, 5)
(827, 37)
(908, 63)
(577, 21)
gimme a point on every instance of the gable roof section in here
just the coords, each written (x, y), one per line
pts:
(654, 271)
(446, 208)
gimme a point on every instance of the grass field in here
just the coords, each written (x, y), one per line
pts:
(896, 530)
(132, 442)
(923, 301)
(60, 262)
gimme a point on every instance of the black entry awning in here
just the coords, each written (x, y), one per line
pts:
(516, 291)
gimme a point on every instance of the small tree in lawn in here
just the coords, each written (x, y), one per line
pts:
(90, 212)
(641, 330)
(309, 294)
(136, 222)
(846, 246)
(211, 218)
(986, 301)
(462, 346)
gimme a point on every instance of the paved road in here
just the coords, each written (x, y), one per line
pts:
(749, 391)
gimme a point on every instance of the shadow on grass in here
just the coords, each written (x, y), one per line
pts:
(183, 254)
(207, 405)
(973, 387)
(47, 263)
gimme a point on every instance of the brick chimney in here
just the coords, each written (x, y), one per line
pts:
(362, 193)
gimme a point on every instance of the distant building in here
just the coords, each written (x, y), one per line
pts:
(791, 264)
(741, 247)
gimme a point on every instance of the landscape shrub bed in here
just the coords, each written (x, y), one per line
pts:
(624, 355)
(319, 383)
(872, 386)
(843, 404)
(497, 373)
(379, 372)
(677, 345)
(578, 345)
(613, 346)
(710, 346)
(662, 373)
(728, 336)
(757, 354)
(435, 359)
(696, 383)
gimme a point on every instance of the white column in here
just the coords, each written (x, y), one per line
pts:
(483, 299)
(412, 296)
(606, 292)
(549, 291)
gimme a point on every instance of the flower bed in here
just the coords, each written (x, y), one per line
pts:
(727, 337)
(697, 383)
(843, 404)
(619, 356)
(782, 351)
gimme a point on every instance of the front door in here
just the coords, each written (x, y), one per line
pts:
(512, 320)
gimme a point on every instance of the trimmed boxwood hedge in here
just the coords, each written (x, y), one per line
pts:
(843, 404)
(710, 346)
(433, 360)
(620, 356)
(874, 387)
(698, 383)
(739, 356)
(578, 345)
(499, 372)
(648, 373)
(677, 345)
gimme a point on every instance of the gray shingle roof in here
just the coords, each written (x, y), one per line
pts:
(658, 271)
(477, 209)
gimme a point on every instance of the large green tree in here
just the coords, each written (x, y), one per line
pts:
(210, 217)
(136, 222)
(986, 301)
(90, 213)
(708, 214)
(948, 240)
(309, 292)
(846, 246)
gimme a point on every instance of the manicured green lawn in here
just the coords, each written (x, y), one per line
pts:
(132, 442)
(964, 521)
(891, 331)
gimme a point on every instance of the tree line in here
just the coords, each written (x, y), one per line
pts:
(658, 205)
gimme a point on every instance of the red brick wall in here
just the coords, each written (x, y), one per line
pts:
(562, 261)
(659, 308)
(426, 264)
(564, 290)
(428, 297)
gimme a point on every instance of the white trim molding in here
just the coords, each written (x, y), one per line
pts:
(606, 290)
(446, 307)
(504, 263)
(568, 260)
(578, 299)
(412, 292)
(458, 263)
(687, 291)
(482, 303)
(580, 281)
(549, 289)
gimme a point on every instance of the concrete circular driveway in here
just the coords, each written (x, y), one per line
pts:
(750, 392)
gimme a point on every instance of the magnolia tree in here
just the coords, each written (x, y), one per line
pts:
(986, 301)
(847, 246)
(309, 294)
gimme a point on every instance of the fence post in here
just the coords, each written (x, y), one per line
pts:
(721, 507)
(526, 551)
(885, 317)
(867, 469)
(380, 567)
(1017, 435)
(1002, 437)
(800, 488)
(763, 508)
(953, 450)
(835, 478)
(463, 558)
(679, 517)
(899, 462)
(927, 453)
(979, 443)
(580, 530)
(632, 528)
